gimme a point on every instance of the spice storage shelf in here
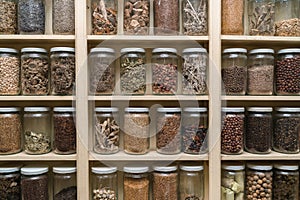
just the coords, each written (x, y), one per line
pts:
(261, 98)
(22, 156)
(271, 156)
(149, 98)
(245, 38)
(37, 38)
(37, 98)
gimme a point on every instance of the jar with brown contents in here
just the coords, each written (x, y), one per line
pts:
(232, 17)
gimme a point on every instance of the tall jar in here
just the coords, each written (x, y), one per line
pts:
(10, 181)
(287, 132)
(133, 71)
(62, 70)
(164, 71)
(64, 183)
(287, 70)
(106, 130)
(232, 17)
(194, 71)
(102, 71)
(63, 17)
(8, 16)
(234, 71)
(136, 130)
(104, 17)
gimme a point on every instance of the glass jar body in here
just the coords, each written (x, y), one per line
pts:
(191, 184)
(136, 186)
(10, 185)
(105, 184)
(233, 184)
(232, 17)
(165, 185)
(63, 17)
(35, 187)
(8, 16)
(64, 186)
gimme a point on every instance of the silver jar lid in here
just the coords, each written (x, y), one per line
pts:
(195, 109)
(128, 50)
(164, 50)
(36, 109)
(165, 168)
(191, 168)
(235, 50)
(106, 109)
(32, 49)
(169, 110)
(260, 109)
(64, 109)
(233, 109)
(34, 170)
(263, 167)
(9, 109)
(104, 170)
(233, 167)
(287, 167)
(9, 169)
(64, 170)
(135, 170)
(194, 50)
(8, 50)
(256, 51)
(102, 50)
(136, 109)
(62, 49)
(288, 109)
(289, 50)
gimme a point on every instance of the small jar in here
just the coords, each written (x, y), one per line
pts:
(232, 134)
(64, 183)
(136, 183)
(194, 71)
(259, 130)
(63, 17)
(35, 71)
(62, 70)
(136, 130)
(260, 72)
(106, 130)
(104, 17)
(287, 70)
(104, 183)
(8, 16)
(195, 130)
(37, 130)
(102, 71)
(168, 138)
(133, 71)
(232, 17)
(64, 130)
(164, 71)
(10, 181)
(287, 132)
(234, 71)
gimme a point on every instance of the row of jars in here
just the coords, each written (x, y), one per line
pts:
(35, 74)
(261, 130)
(31, 130)
(264, 17)
(173, 134)
(259, 73)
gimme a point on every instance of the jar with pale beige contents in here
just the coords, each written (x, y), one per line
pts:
(232, 17)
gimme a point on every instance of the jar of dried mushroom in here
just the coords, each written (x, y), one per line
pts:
(133, 71)
(234, 71)
(64, 130)
(8, 16)
(11, 130)
(62, 71)
(136, 183)
(104, 183)
(136, 130)
(10, 182)
(286, 134)
(63, 17)
(106, 130)
(37, 130)
(232, 17)
(35, 71)
(64, 183)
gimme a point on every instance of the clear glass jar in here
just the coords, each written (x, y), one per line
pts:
(8, 16)
(168, 125)
(64, 183)
(136, 183)
(31, 16)
(195, 130)
(232, 17)
(133, 71)
(37, 130)
(102, 71)
(10, 181)
(35, 71)
(64, 130)
(287, 19)
(104, 17)
(194, 71)
(104, 183)
(234, 71)
(164, 71)
(62, 70)
(63, 17)
(233, 129)
(136, 130)
(287, 70)
(106, 130)
(287, 132)
(259, 130)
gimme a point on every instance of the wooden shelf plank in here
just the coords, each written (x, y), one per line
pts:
(37, 37)
(149, 98)
(243, 38)
(271, 156)
(144, 38)
(22, 156)
(37, 98)
(261, 98)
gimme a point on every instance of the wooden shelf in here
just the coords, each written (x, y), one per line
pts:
(149, 98)
(37, 40)
(261, 98)
(271, 156)
(22, 156)
(143, 38)
(37, 98)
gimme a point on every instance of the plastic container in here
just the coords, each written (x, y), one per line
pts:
(232, 17)
(64, 183)
(63, 17)
(10, 181)
(8, 16)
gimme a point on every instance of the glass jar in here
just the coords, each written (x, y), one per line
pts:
(287, 70)
(37, 130)
(136, 183)
(104, 183)
(195, 130)
(104, 17)
(102, 71)
(168, 138)
(63, 17)
(31, 16)
(164, 71)
(234, 71)
(233, 129)
(10, 181)
(259, 130)
(287, 19)
(35, 71)
(8, 16)
(62, 70)
(136, 130)
(260, 72)
(64, 183)
(64, 130)
(287, 132)
(133, 71)
(232, 17)
(106, 130)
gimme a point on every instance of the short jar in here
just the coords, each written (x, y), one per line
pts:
(232, 17)
(8, 16)
(63, 17)
(10, 181)
(64, 183)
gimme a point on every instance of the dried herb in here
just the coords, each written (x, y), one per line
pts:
(136, 188)
(35, 188)
(10, 75)
(104, 194)
(69, 193)
(232, 17)
(165, 186)
(260, 79)
(289, 27)
(234, 79)
(37, 143)
(194, 140)
(63, 17)
(102, 77)
(8, 17)
(10, 186)
(164, 78)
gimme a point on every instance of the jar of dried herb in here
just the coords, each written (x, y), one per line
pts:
(64, 183)
(63, 17)
(10, 181)
(8, 16)
(232, 17)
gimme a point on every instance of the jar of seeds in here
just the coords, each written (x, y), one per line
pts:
(104, 183)
(63, 17)
(8, 16)
(64, 183)
(287, 131)
(136, 130)
(10, 181)
(232, 17)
